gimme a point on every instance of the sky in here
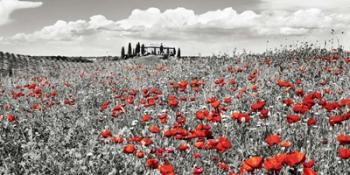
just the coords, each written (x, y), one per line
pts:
(205, 27)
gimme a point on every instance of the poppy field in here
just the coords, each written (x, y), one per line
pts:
(282, 113)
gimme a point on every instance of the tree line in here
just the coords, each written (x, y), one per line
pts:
(140, 50)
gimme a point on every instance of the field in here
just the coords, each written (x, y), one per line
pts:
(285, 112)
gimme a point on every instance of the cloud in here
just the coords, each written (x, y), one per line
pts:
(9, 6)
(181, 23)
(214, 30)
(333, 5)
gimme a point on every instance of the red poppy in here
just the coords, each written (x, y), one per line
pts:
(166, 169)
(129, 149)
(172, 101)
(273, 139)
(146, 141)
(223, 144)
(338, 119)
(152, 163)
(259, 105)
(183, 147)
(183, 85)
(228, 100)
(274, 163)
(283, 83)
(223, 166)
(309, 164)
(344, 153)
(154, 129)
(343, 139)
(202, 114)
(293, 119)
(254, 162)
(146, 118)
(309, 171)
(106, 133)
(118, 139)
(240, 117)
(288, 102)
(11, 118)
(295, 158)
(264, 114)
(299, 92)
(215, 104)
(197, 170)
(285, 144)
(140, 154)
(301, 108)
(197, 155)
(311, 121)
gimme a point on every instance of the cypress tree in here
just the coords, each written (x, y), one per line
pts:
(138, 49)
(143, 49)
(122, 55)
(161, 48)
(129, 50)
(178, 53)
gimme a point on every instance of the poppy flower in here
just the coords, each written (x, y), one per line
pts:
(117, 139)
(197, 170)
(228, 100)
(259, 105)
(309, 164)
(273, 163)
(295, 158)
(152, 163)
(223, 144)
(106, 133)
(215, 104)
(337, 119)
(146, 118)
(36, 107)
(273, 139)
(311, 121)
(197, 155)
(11, 118)
(166, 169)
(172, 102)
(183, 85)
(285, 144)
(344, 153)
(223, 166)
(343, 139)
(140, 154)
(288, 102)
(344, 102)
(286, 84)
(299, 92)
(154, 129)
(240, 117)
(309, 171)
(301, 108)
(183, 147)
(146, 142)
(264, 114)
(129, 149)
(254, 162)
(293, 119)
(202, 114)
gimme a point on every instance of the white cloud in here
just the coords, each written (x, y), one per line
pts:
(9, 6)
(338, 5)
(182, 25)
